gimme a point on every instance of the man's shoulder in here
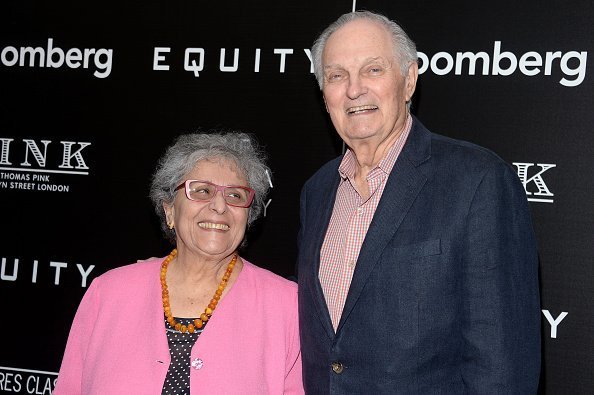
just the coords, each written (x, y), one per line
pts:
(464, 154)
(445, 158)
(467, 149)
(326, 172)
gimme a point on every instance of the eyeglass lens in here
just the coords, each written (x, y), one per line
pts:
(232, 195)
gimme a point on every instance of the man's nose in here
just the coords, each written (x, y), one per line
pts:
(356, 87)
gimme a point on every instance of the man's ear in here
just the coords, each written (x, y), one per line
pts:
(411, 80)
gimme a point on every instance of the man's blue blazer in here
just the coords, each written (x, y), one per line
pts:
(445, 297)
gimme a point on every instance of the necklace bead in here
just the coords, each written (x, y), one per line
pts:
(208, 311)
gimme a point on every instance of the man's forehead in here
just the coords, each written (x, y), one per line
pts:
(383, 60)
(358, 53)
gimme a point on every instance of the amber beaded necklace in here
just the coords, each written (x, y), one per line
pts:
(204, 317)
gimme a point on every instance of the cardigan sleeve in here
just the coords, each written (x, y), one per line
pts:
(70, 374)
(293, 379)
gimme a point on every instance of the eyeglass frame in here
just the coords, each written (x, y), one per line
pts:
(186, 186)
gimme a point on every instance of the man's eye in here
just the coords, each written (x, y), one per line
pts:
(334, 76)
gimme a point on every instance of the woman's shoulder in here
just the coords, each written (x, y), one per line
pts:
(266, 293)
(136, 272)
(267, 279)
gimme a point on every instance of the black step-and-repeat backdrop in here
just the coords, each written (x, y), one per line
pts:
(92, 93)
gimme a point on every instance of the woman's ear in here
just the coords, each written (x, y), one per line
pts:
(169, 215)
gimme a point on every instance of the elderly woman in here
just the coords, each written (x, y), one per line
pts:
(202, 320)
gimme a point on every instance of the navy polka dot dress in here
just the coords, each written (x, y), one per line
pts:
(177, 380)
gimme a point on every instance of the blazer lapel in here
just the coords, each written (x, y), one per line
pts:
(403, 185)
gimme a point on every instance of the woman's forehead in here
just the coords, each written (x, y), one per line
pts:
(217, 167)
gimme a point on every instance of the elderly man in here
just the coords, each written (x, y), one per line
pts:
(417, 260)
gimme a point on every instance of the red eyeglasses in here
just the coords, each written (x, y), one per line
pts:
(204, 191)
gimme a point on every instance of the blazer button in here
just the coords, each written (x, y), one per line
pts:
(337, 367)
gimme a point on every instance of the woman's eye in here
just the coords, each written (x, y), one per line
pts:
(202, 191)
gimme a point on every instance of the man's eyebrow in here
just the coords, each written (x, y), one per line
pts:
(333, 66)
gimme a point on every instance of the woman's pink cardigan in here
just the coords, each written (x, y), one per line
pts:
(117, 343)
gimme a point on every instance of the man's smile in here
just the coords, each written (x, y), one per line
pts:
(361, 109)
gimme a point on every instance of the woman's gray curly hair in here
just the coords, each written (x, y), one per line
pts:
(188, 149)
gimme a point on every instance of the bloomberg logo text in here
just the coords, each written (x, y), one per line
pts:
(504, 63)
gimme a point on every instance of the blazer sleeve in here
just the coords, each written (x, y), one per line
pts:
(302, 225)
(71, 370)
(501, 322)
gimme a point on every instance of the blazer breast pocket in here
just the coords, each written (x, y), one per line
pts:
(417, 250)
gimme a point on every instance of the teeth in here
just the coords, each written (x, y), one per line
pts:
(210, 225)
(361, 108)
